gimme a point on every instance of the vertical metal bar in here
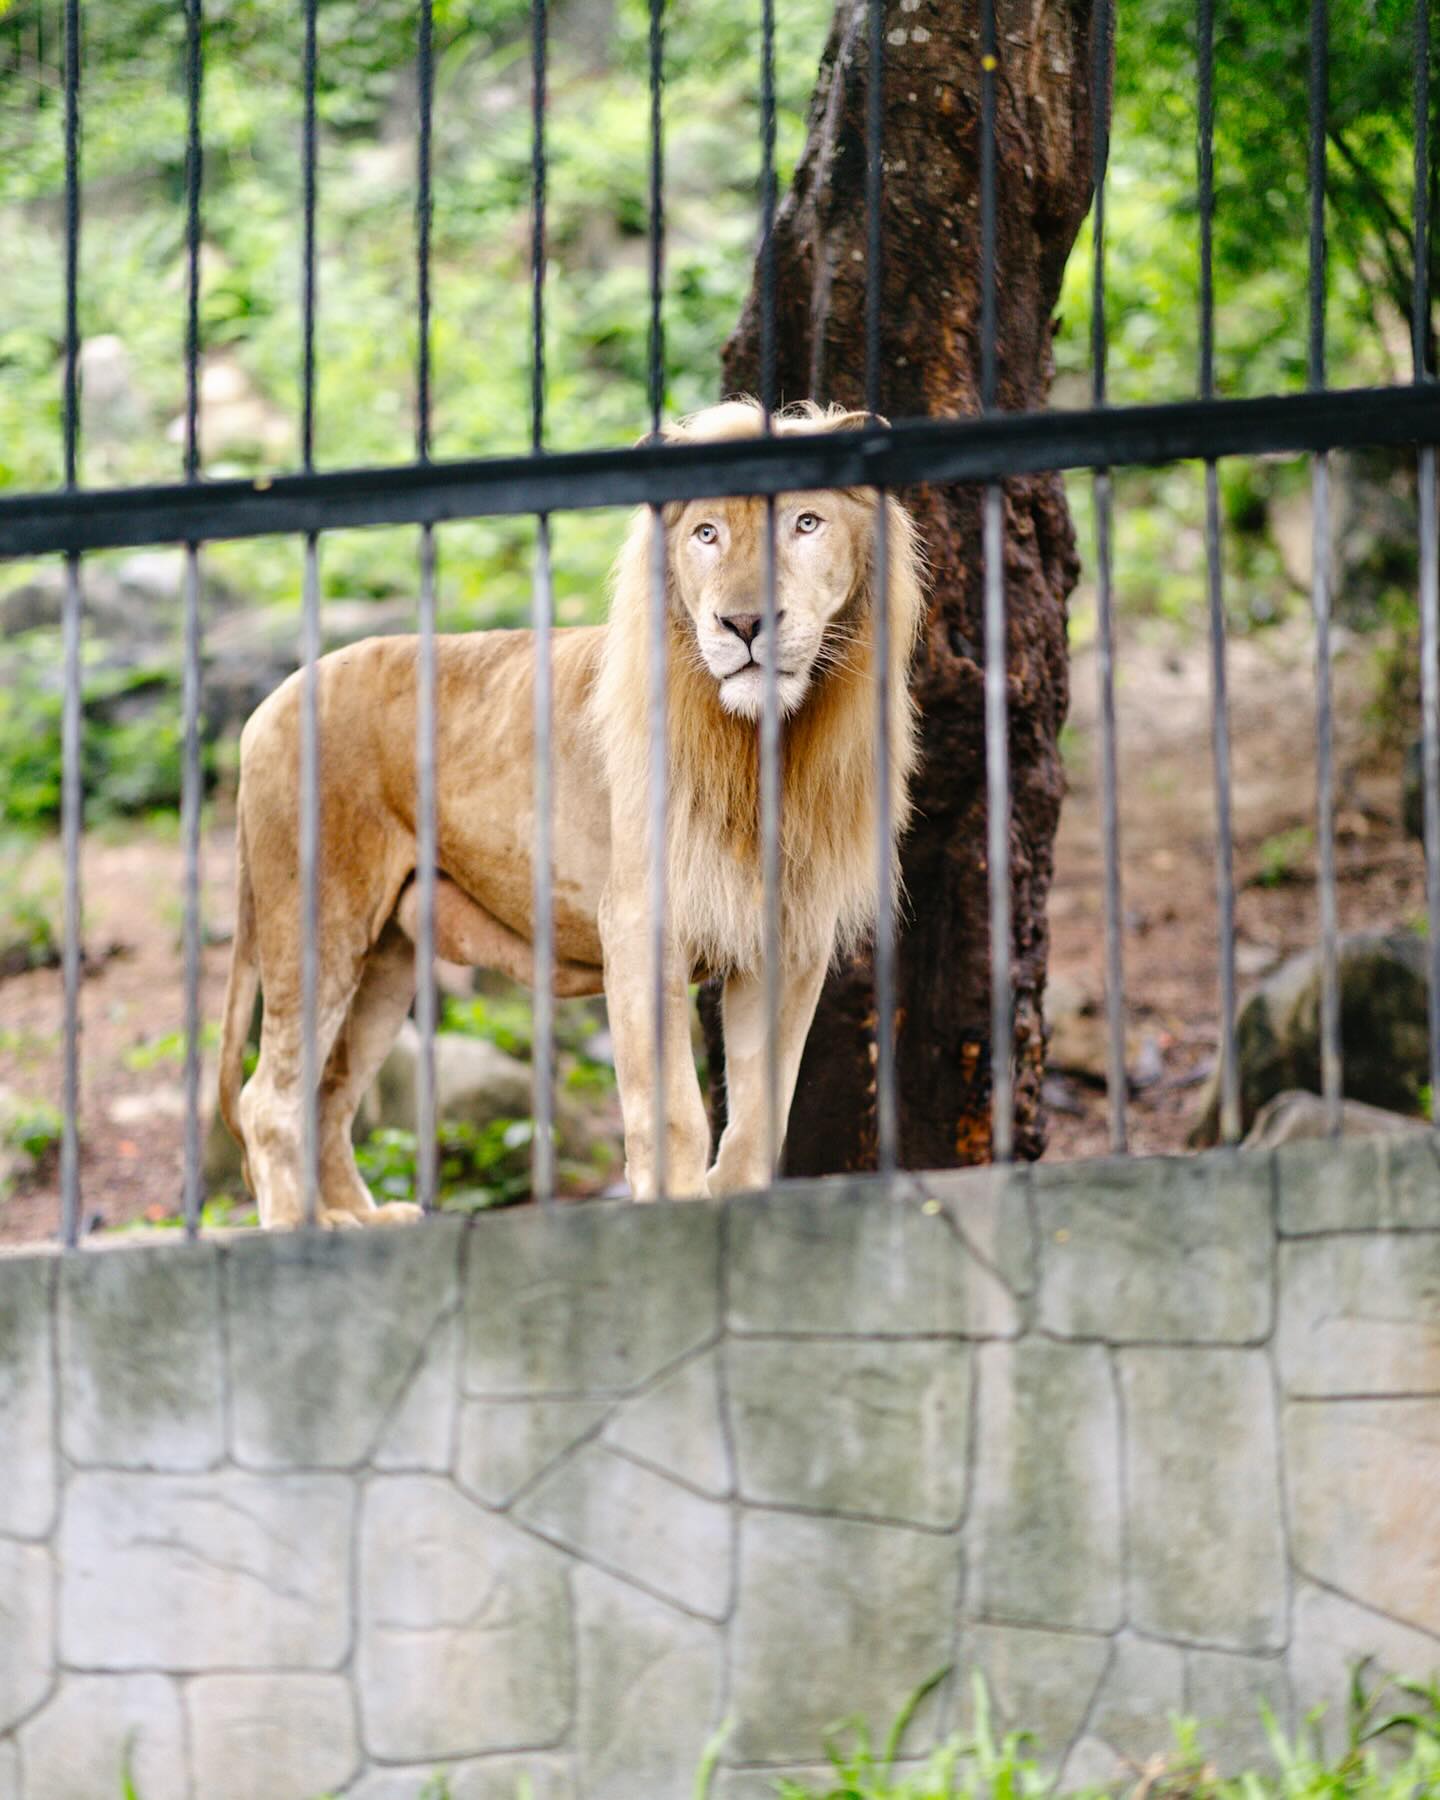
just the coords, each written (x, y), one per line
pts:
(886, 1106)
(770, 692)
(71, 791)
(192, 788)
(541, 620)
(659, 797)
(426, 1120)
(1115, 1083)
(1215, 597)
(1429, 560)
(997, 712)
(1331, 1076)
(310, 680)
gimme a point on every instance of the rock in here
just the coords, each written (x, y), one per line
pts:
(475, 1083)
(1384, 1029)
(98, 1728)
(1336, 1339)
(112, 408)
(235, 418)
(297, 1731)
(1412, 792)
(1289, 1118)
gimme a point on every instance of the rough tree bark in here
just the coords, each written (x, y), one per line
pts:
(930, 364)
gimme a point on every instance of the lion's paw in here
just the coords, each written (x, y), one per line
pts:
(394, 1212)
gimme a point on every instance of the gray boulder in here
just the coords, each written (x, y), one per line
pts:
(1295, 1116)
(1384, 1030)
(475, 1083)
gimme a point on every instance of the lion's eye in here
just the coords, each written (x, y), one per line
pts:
(808, 522)
(707, 534)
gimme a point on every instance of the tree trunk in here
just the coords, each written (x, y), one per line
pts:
(930, 365)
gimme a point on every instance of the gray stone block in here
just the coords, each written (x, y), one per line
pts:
(420, 1433)
(1093, 1764)
(98, 1727)
(27, 1629)
(1042, 1682)
(677, 1427)
(465, 1629)
(625, 1518)
(1364, 1485)
(286, 1737)
(140, 1357)
(27, 1394)
(9, 1770)
(1156, 1250)
(309, 1388)
(203, 1571)
(587, 1299)
(761, 1784)
(649, 1694)
(1368, 1184)
(835, 1617)
(990, 1209)
(483, 1778)
(1360, 1315)
(1225, 1694)
(1331, 1636)
(1207, 1539)
(1045, 1529)
(507, 1444)
(845, 1258)
(1143, 1689)
(877, 1429)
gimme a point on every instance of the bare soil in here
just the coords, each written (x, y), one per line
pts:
(131, 1096)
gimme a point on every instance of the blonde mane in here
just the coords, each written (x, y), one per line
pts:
(828, 745)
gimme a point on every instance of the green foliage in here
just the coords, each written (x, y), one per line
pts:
(168, 1047)
(1284, 856)
(29, 908)
(33, 1126)
(480, 1167)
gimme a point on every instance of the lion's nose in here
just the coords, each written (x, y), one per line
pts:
(746, 626)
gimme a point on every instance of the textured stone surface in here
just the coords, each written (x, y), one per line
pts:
(587, 1299)
(27, 1630)
(625, 1518)
(760, 1784)
(140, 1357)
(308, 1388)
(992, 1215)
(1108, 1230)
(465, 1634)
(649, 1691)
(9, 1771)
(506, 1444)
(677, 1427)
(831, 1258)
(1225, 1694)
(1364, 1483)
(482, 1778)
(1207, 1540)
(1332, 1635)
(1037, 1681)
(27, 1394)
(98, 1726)
(303, 1725)
(1045, 1529)
(201, 1571)
(1144, 1687)
(853, 1427)
(420, 1432)
(1384, 1184)
(818, 1599)
(1361, 1315)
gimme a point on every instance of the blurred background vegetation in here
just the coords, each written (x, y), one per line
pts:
(133, 293)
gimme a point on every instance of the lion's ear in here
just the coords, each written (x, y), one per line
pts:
(841, 418)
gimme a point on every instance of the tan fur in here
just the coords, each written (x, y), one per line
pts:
(368, 905)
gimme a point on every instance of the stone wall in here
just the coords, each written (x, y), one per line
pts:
(562, 1494)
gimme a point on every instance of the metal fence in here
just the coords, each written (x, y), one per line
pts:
(983, 450)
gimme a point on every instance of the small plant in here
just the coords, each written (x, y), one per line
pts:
(480, 1166)
(169, 1047)
(1283, 856)
(33, 1126)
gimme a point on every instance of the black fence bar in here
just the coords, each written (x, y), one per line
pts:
(426, 823)
(72, 798)
(1331, 1075)
(192, 786)
(542, 618)
(659, 749)
(1115, 1072)
(1215, 599)
(904, 454)
(1429, 551)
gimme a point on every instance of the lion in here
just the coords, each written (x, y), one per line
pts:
(718, 651)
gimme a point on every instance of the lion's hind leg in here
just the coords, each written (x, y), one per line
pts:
(377, 1011)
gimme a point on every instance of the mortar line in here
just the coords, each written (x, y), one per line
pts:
(594, 1562)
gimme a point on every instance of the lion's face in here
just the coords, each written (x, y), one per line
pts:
(717, 555)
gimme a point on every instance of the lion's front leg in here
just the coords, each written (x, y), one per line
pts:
(677, 1117)
(743, 1160)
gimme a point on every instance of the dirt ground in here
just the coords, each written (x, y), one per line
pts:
(132, 1102)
